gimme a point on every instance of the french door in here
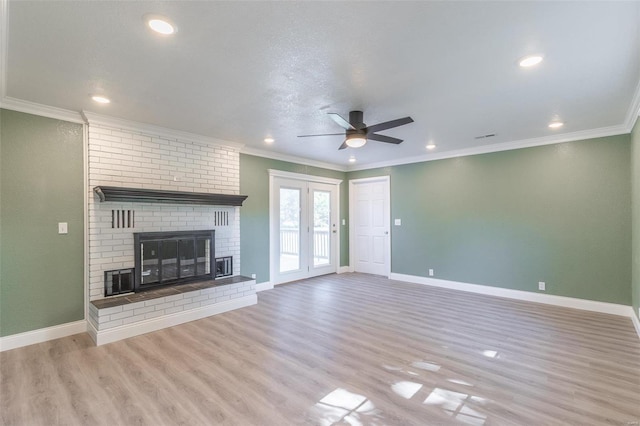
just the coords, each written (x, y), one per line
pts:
(304, 231)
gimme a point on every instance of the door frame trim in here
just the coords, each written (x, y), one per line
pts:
(301, 176)
(352, 184)
(273, 173)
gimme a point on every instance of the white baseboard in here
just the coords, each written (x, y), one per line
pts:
(636, 323)
(549, 299)
(42, 335)
(264, 286)
(344, 269)
(101, 337)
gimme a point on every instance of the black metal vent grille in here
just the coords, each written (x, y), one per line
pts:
(123, 218)
(118, 281)
(220, 218)
(490, 135)
(224, 266)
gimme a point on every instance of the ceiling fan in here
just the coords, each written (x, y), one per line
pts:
(357, 133)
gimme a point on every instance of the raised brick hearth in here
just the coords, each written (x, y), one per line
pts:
(119, 317)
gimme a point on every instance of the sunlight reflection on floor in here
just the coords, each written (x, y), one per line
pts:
(406, 389)
(455, 403)
(463, 406)
(340, 405)
(490, 354)
(425, 366)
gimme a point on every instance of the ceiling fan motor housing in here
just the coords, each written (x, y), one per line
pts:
(361, 132)
(355, 119)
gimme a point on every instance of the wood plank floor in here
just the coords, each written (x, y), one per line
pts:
(348, 349)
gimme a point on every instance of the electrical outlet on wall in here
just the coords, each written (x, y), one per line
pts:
(542, 286)
(63, 228)
(253, 276)
(430, 272)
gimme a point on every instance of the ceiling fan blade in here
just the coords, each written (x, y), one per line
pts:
(341, 121)
(323, 134)
(343, 146)
(389, 124)
(383, 138)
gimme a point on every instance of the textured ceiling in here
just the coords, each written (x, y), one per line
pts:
(242, 71)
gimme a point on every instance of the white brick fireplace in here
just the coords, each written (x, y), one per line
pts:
(125, 154)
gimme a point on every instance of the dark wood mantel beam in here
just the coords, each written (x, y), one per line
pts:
(139, 195)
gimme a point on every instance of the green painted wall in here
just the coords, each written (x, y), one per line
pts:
(254, 213)
(558, 213)
(41, 184)
(635, 197)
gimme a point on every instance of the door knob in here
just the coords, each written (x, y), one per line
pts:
(386, 232)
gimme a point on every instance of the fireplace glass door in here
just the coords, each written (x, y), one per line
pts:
(164, 258)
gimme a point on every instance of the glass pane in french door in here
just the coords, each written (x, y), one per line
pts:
(321, 228)
(289, 229)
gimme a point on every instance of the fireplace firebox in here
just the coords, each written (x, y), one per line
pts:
(169, 258)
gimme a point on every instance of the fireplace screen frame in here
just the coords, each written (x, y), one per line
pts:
(178, 239)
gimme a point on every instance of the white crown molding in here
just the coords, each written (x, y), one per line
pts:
(549, 299)
(41, 110)
(305, 177)
(505, 146)
(94, 119)
(42, 335)
(291, 159)
(102, 120)
(634, 110)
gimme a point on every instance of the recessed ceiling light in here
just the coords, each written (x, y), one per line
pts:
(431, 145)
(160, 25)
(529, 61)
(269, 140)
(556, 124)
(352, 159)
(101, 99)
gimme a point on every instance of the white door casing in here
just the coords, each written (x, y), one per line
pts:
(318, 250)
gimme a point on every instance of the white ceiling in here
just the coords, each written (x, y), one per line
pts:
(242, 71)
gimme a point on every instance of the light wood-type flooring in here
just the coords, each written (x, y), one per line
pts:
(341, 349)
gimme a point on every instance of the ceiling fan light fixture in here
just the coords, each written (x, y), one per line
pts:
(356, 140)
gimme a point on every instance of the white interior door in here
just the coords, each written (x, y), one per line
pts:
(304, 231)
(370, 225)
